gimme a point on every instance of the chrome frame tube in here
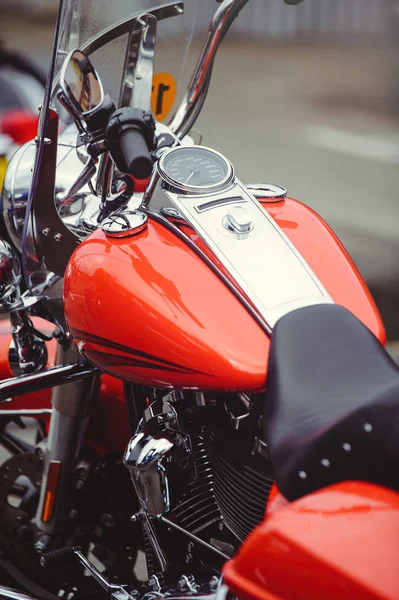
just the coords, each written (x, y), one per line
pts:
(192, 536)
(194, 98)
(10, 594)
(59, 375)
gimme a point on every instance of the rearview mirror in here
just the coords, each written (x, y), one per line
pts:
(81, 84)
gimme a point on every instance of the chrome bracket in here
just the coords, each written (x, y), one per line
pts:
(139, 64)
(56, 241)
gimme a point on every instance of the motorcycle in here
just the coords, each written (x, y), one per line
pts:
(213, 410)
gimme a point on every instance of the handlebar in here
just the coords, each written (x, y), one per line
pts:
(194, 99)
(131, 139)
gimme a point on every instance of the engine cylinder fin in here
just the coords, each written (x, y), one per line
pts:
(198, 509)
(239, 480)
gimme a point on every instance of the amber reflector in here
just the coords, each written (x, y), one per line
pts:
(51, 490)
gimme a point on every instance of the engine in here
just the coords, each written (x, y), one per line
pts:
(199, 468)
(241, 478)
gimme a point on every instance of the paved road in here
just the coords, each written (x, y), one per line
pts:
(320, 121)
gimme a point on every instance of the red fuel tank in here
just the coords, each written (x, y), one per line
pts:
(148, 309)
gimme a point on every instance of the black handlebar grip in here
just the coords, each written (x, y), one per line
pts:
(136, 155)
(131, 139)
(51, 559)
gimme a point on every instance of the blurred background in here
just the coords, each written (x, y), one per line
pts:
(306, 97)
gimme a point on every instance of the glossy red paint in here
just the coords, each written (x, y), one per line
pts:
(329, 260)
(109, 430)
(338, 543)
(275, 500)
(146, 308)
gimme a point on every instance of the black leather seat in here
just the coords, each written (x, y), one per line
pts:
(332, 403)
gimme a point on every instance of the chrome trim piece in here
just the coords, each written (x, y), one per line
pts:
(59, 375)
(238, 220)
(192, 536)
(10, 594)
(194, 98)
(108, 587)
(192, 189)
(267, 190)
(10, 278)
(27, 352)
(152, 536)
(264, 263)
(144, 458)
(139, 64)
(66, 90)
(124, 224)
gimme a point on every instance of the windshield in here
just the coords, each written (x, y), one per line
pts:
(139, 49)
(103, 30)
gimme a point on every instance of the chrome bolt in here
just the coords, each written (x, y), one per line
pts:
(325, 462)
(368, 428)
(347, 447)
(46, 231)
(135, 518)
(58, 237)
(302, 474)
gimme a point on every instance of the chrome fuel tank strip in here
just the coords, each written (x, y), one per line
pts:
(253, 249)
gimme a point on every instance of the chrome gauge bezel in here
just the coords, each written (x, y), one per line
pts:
(192, 189)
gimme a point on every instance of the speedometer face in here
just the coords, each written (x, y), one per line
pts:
(195, 169)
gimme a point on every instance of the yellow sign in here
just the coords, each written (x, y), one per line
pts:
(163, 94)
(3, 168)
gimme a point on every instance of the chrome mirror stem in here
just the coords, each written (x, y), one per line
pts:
(192, 102)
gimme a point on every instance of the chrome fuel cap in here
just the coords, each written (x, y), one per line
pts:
(238, 220)
(124, 224)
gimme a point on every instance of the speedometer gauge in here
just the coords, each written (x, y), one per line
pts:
(195, 169)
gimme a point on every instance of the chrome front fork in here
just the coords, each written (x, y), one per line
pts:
(71, 405)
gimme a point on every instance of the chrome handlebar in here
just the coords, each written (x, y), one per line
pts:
(194, 98)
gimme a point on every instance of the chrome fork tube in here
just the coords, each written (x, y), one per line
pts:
(71, 405)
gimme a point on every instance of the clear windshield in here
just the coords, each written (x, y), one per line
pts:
(84, 21)
(106, 31)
